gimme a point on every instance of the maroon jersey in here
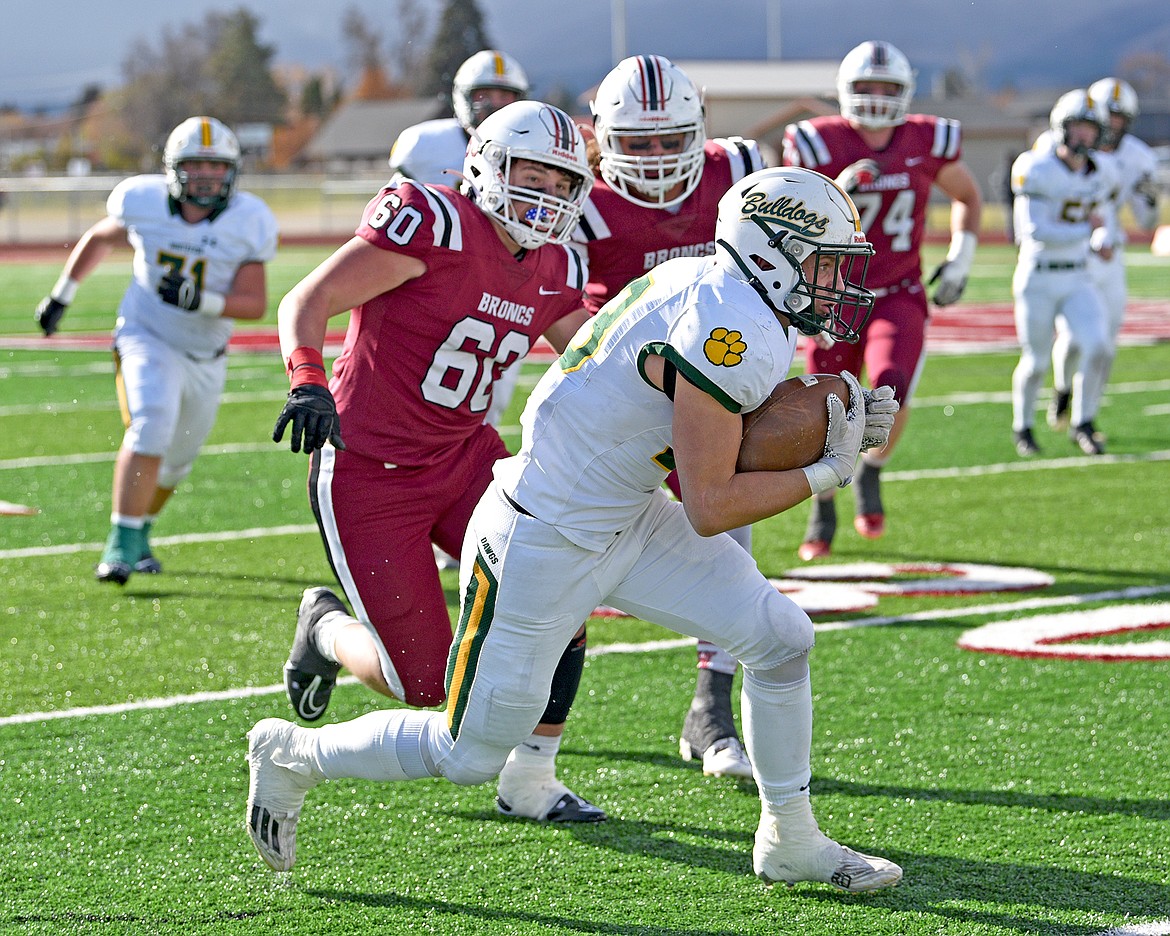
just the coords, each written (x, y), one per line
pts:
(415, 376)
(893, 207)
(625, 240)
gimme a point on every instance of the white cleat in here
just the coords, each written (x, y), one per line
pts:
(818, 858)
(277, 786)
(538, 794)
(725, 758)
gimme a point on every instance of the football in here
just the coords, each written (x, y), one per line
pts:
(788, 429)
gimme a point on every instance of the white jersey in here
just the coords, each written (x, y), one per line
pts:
(423, 151)
(210, 252)
(1136, 168)
(1053, 206)
(596, 398)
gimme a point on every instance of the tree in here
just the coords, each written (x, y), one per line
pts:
(364, 43)
(215, 67)
(460, 35)
(243, 89)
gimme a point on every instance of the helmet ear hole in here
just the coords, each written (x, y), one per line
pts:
(765, 265)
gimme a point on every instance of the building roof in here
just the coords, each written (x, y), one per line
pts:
(367, 129)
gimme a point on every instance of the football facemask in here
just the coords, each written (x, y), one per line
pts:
(644, 100)
(528, 130)
(201, 139)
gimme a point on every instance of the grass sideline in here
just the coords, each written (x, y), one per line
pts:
(1021, 795)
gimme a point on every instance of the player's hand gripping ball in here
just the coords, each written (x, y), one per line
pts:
(788, 429)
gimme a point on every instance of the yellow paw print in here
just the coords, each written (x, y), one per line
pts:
(724, 347)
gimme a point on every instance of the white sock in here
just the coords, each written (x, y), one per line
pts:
(777, 729)
(536, 751)
(326, 631)
(386, 745)
(122, 520)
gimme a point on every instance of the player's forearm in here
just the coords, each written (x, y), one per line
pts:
(745, 498)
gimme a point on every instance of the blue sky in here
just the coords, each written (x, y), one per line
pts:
(49, 51)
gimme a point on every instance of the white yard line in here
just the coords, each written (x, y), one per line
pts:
(225, 695)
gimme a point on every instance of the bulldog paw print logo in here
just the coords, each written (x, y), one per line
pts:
(724, 348)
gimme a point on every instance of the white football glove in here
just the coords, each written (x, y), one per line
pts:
(842, 440)
(952, 273)
(880, 410)
(862, 172)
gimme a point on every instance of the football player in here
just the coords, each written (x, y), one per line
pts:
(888, 160)
(1135, 165)
(579, 517)
(655, 196)
(447, 290)
(1060, 215)
(433, 151)
(199, 253)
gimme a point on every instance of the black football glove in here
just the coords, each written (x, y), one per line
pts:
(49, 313)
(313, 414)
(179, 291)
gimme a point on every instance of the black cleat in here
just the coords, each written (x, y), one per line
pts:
(148, 565)
(1026, 446)
(113, 571)
(309, 677)
(1088, 439)
(1058, 409)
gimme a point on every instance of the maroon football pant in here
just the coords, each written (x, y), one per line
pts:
(890, 348)
(378, 524)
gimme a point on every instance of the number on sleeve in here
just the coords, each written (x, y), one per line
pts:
(400, 223)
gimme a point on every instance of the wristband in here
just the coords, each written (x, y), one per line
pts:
(211, 304)
(821, 477)
(65, 290)
(306, 366)
(962, 248)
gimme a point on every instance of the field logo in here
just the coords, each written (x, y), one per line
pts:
(1053, 636)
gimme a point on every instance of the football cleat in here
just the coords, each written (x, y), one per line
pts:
(309, 677)
(148, 565)
(536, 793)
(279, 778)
(1026, 446)
(870, 525)
(725, 758)
(813, 856)
(1088, 439)
(1058, 409)
(814, 549)
(113, 570)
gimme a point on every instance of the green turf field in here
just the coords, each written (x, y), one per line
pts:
(1021, 794)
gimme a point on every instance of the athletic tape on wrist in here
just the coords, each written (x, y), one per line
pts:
(821, 477)
(212, 304)
(64, 290)
(306, 366)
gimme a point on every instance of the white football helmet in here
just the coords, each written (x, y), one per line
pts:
(773, 220)
(1118, 97)
(875, 61)
(1073, 106)
(485, 69)
(544, 134)
(643, 96)
(201, 138)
